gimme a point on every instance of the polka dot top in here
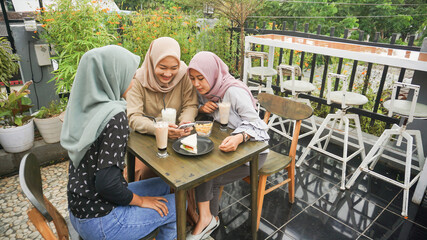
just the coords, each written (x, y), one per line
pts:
(106, 152)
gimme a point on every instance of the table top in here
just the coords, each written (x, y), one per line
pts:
(386, 56)
(182, 172)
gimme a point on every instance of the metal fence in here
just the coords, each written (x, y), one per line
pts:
(370, 113)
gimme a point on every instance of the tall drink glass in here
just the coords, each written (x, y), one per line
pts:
(169, 115)
(161, 130)
(224, 113)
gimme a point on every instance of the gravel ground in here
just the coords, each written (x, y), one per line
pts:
(14, 222)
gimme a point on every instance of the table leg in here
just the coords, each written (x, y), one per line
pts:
(130, 161)
(254, 195)
(180, 214)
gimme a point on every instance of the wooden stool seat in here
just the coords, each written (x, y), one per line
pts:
(275, 162)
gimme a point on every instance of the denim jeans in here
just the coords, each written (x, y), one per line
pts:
(132, 222)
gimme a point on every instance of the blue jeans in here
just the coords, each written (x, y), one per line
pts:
(132, 222)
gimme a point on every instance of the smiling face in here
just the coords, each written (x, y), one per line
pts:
(166, 69)
(199, 82)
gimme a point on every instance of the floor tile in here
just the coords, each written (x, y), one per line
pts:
(375, 189)
(416, 213)
(363, 237)
(279, 235)
(277, 209)
(236, 224)
(308, 186)
(313, 224)
(349, 208)
(392, 226)
(238, 189)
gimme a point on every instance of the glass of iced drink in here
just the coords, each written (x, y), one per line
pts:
(224, 113)
(169, 115)
(161, 131)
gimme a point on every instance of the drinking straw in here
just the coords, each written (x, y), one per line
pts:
(164, 104)
(150, 117)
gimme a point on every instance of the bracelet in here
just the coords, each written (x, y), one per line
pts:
(244, 137)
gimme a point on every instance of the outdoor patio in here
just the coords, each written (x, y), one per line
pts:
(369, 210)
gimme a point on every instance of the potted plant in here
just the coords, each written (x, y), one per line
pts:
(48, 122)
(16, 128)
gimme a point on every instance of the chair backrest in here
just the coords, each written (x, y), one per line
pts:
(343, 89)
(288, 109)
(255, 54)
(288, 70)
(43, 211)
(31, 183)
(414, 100)
(284, 107)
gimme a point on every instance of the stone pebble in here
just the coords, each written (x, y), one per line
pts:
(13, 213)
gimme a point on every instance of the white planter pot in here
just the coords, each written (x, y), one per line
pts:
(49, 128)
(17, 139)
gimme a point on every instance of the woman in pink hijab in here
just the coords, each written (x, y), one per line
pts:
(210, 76)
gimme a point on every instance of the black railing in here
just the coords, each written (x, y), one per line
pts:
(371, 113)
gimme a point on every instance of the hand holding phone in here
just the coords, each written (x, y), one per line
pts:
(186, 125)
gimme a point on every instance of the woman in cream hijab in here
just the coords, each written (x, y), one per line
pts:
(162, 78)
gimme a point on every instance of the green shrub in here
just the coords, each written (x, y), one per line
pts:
(54, 109)
(73, 27)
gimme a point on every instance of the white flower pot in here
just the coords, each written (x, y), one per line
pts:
(17, 139)
(49, 128)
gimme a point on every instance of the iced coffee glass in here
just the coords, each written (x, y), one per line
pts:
(224, 113)
(169, 115)
(161, 131)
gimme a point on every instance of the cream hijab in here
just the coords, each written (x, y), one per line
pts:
(159, 49)
(102, 77)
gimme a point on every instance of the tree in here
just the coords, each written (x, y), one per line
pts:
(235, 10)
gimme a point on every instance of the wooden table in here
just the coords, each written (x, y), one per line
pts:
(184, 172)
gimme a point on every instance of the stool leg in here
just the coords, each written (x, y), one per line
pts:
(395, 129)
(345, 148)
(420, 150)
(368, 159)
(380, 152)
(313, 140)
(359, 135)
(408, 166)
(421, 186)
(336, 117)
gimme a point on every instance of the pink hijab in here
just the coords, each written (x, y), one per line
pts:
(216, 73)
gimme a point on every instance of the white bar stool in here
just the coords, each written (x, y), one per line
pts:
(347, 100)
(407, 110)
(296, 87)
(264, 73)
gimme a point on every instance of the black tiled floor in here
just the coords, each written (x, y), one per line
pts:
(370, 209)
(393, 226)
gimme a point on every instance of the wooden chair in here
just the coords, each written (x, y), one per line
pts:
(287, 109)
(43, 210)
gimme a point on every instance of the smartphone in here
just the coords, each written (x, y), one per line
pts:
(186, 125)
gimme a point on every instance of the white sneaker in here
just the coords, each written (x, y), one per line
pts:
(206, 232)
